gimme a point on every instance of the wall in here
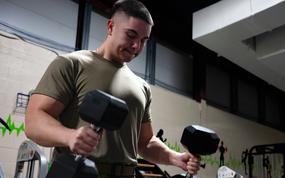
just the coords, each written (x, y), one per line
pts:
(173, 112)
(52, 19)
(21, 66)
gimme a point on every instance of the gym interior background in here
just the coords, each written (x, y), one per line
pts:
(202, 81)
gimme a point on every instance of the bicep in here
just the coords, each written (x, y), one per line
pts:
(41, 124)
(43, 103)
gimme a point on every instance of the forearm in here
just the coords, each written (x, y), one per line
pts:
(157, 152)
(46, 130)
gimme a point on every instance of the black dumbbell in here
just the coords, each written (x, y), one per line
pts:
(101, 110)
(199, 140)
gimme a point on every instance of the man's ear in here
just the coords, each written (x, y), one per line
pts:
(110, 25)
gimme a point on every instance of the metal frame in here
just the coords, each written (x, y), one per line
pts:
(2, 175)
(29, 152)
(265, 149)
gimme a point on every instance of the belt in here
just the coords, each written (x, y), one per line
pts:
(115, 169)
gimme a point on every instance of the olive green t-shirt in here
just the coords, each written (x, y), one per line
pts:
(69, 77)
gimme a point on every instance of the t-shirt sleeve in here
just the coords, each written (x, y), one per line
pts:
(147, 112)
(58, 80)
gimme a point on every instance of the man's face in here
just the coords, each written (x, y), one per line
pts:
(128, 36)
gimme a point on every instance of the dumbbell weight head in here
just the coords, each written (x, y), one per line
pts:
(200, 140)
(103, 110)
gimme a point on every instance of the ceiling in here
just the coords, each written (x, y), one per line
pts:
(250, 33)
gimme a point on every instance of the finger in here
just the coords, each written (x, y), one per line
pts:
(82, 152)
(194, 158)
(80, 145)
(193, 165)
(193, 170)
(91, 138)
(92, 143)
(193, 162)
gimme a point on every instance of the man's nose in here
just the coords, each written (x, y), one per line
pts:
(136, 45)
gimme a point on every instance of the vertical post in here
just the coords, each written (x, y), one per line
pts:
(233, 92)
(83, 24)
(261, 103)
(250, 164)
(30, 169)
(200, 56)
(150, 60)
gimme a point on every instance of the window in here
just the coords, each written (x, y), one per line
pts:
(247, 100)
(173, 70)
(217, 86)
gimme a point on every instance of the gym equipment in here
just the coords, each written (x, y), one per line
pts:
(225, 172)
(29, 153)
(277, 150)
(146, 169)
(5, 124)
(102, 111)
(199, 140)
(70, 165)
(2, 175)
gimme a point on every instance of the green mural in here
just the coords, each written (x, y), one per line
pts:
(12, 126)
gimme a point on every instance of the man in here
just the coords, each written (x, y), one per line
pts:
(52, 117)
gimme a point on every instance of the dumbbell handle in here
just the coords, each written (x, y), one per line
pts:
(96, 129)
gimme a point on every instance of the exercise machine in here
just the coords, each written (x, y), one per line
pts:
(147, 169)
(2, 175)
(263, 152)
(225, 172)
(29, 153)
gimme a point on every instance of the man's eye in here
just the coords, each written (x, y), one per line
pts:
(131, 35)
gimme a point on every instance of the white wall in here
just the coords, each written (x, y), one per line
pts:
(52, 19)
(21, 66)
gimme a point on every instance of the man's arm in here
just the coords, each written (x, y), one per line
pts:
(154, 150)
(42, 127)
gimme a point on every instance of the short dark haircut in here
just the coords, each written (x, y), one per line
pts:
(133, 8)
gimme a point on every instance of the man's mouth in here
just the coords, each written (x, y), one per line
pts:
(130, 52)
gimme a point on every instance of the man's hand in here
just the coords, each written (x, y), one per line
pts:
(84, 140)
(193, 164)
(189, 162)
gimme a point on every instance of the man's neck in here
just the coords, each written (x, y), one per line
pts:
(104, 53)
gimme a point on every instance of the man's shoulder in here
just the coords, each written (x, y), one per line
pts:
(137, 77)
(81, 55)
(142, 82)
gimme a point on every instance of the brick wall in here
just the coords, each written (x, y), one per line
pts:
(21, 67)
